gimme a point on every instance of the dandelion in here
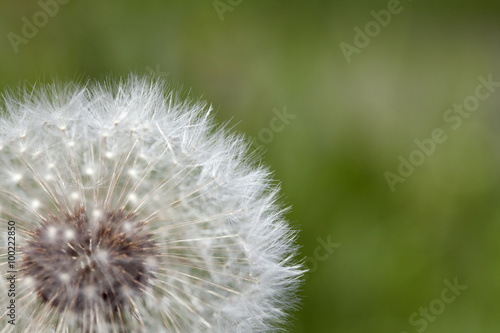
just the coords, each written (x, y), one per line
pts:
(134, 213)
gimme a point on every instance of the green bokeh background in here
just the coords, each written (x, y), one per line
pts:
(352, 121)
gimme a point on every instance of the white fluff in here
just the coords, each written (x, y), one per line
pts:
(227, 254)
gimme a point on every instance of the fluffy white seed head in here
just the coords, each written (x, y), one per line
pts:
(134, 213)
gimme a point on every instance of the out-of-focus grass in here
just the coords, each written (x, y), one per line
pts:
(352, 122)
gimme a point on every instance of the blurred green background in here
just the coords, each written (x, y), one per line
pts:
(352, 120)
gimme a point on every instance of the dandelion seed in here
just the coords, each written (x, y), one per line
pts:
(135, 214)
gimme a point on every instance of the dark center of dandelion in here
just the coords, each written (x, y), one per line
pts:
(81, 265)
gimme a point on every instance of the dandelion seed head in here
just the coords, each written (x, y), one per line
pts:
(135, 213)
